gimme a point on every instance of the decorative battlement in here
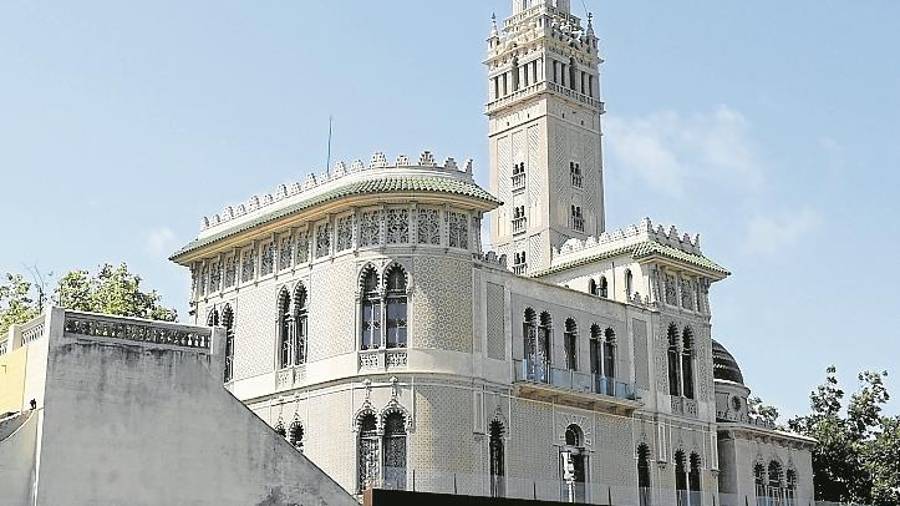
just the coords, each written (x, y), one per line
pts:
(643, 231)
(317, 183)
(133, 329)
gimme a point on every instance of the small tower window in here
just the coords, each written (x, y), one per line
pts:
(519, 221)
(687, 362)
(577, 219)
(674, 376)
(520, 263)
(571, 345)
(577, 176)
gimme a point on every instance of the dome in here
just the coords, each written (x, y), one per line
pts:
(725, 367)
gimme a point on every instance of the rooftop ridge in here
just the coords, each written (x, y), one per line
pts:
(642, 231)
(340, 170)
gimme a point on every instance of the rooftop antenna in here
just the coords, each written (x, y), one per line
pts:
(328, 160)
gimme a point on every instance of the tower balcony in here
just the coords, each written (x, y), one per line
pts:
(518, 181)
(519, 225)
(540, 381)
(543, 87)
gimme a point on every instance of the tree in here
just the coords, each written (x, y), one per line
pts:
(762, 411)
(112, 290)
(857, 456)
(16, 304)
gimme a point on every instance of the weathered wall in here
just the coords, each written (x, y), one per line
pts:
(157, 427)
(17, 459)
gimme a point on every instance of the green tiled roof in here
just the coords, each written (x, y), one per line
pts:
(389, 184)
(639, 251)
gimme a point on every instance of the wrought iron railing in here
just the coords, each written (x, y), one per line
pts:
(542, 372)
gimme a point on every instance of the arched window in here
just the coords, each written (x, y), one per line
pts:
(371, 311)
(645, 493)
(498, 486)
(285, 324)
(681, 478)
(790, 487)
(629, 285)
(213, 319)
(367, 458)
(571, 344)
(301, 324)
(609, 353)
(395, 451)
(542, 363)
(687, 362)
(573, 466)
(396, 307)
(694, 482)
(603, 287)
(759, 480)
(775, 482)
(228, 323)
(295, 435)
(279, 429)
(596, 350)
(592, 287)
(674, 377)
(529, 336)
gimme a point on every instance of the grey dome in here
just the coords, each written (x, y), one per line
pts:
(725, 367)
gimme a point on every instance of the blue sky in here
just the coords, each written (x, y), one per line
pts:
(769, 127)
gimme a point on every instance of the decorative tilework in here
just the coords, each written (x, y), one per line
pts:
(442, 304)
(496, 332)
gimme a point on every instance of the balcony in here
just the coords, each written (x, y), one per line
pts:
(541, 381)
(578, 224)
(519, 225)
(577, 180)
(684, 406)
(518, 181)
(520, 269)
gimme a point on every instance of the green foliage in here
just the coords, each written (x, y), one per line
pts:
(112, 290)
(857, 457)
(762, 411)
(16, 304)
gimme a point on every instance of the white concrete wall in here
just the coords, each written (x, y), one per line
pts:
(17, 461)
(132, 423)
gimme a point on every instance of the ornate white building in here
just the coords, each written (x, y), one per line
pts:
(367, 325)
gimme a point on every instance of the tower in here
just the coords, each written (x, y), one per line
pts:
(544, 113)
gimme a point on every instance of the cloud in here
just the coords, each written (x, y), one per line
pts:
(161, 241)
(767, 235)
(672, 153)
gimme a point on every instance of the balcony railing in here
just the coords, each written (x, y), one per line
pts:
(520, 269)
(567, 379)
(518, 181)
(577, 180)
(578, 224)
(519, 225)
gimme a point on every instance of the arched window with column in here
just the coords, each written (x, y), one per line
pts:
(759, 481)
(592, 287)
(370, 321)
(609, 353)
(573, 466)
(645, 492)
(228, 323)
(681, 479)
(687, 362)
(596, 350)
(367, 451)
(790, 490)
(396, 303)
(300, 334)
(543, 362)
(775, 484)
(603, 287)
(285, 327)
(694, 481)
(497, 456)
(673, 362)
(394, 451)
(570, 343)
(295, 435)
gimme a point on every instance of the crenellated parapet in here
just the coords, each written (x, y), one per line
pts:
(340, 173)
(633, 234)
